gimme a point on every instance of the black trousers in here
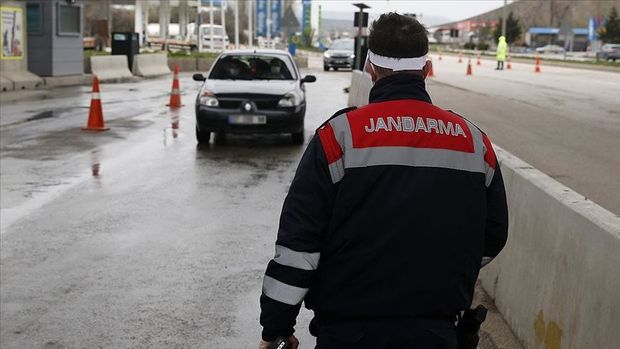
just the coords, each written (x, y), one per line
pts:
(387, 334)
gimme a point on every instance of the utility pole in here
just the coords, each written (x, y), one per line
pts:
(250, 34)
(504, 19)
(237, 24)
(223, 14)
(211, 24)
(269, 21)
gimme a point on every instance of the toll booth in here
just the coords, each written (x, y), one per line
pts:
(126, 43)
(360, 20)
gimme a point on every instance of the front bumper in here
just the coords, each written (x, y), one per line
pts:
(284, 120)
(337, 62)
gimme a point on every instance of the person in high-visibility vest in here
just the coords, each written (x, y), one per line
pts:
(502, 48)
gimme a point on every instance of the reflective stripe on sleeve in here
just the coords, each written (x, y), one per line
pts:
(282, 292)
(299, 260)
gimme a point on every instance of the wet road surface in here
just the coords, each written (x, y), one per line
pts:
(137, 237)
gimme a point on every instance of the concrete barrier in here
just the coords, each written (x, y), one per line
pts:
(151, 65)
(5, 84)
(301, 61)
(557, 281)
(359, 90)
(110, 68)
(186, 64)
(22, 79)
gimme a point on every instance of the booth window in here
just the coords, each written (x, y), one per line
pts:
(69, 20)
(33, 18)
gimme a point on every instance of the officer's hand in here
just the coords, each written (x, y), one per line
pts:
(294, 343)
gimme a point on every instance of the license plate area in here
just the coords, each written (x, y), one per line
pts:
(247, 119)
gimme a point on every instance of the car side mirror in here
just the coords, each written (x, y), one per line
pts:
(308, 78)
(199, 77)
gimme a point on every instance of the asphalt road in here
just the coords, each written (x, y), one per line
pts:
(136, 237)
(563, 121)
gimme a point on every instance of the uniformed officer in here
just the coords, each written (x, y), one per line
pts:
(502, 48)
(393, 210)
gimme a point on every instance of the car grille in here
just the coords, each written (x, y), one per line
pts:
(340, 56)
(233, 101)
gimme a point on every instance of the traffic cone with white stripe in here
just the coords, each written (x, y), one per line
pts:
(537, 68)
(509, 65)
(478, 61)
(431, 73)
(460, 57)
(469, 72)
(95, 113)
(175, 95)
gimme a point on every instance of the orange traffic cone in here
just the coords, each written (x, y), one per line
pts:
(440, 55)
(537, 68)
(460, 57)
(175, 95)
(469, 72)
(95, 114)
(478, 61)
(431, 73)
(509, 65)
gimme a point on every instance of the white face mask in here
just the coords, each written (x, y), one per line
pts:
(275, 69)
(234, 71)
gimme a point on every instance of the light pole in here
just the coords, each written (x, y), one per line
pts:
(211, 24)
(250, 34)
(504, 19)
(360, 24)
(237, 24)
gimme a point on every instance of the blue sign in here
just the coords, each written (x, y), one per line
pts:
(261, 17)
(276, 17)
(306, 7)
(215, 2)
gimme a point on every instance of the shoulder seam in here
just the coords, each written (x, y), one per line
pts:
(338, 113)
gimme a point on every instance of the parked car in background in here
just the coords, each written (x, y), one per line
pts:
(609, 52)
(550, 49)
(339, 55)
(252, 91)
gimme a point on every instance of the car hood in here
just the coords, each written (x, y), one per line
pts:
(340, 52)
(269, 87)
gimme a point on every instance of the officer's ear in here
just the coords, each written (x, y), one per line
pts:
(427, 68)
(370, 69)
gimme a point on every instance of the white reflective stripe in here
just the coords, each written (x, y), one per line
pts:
(490, 172)
(282, 292)
(416, 157)
(477, 137)
(336, 170)
(175, 91)
(299, 260)
(342, 132)
(397, 64)
(96, 95)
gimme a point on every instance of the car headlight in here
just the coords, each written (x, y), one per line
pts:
(291, 99)
(326, 54)
(208, 98)
(352, 56)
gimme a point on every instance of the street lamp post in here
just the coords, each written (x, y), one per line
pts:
(360, 24)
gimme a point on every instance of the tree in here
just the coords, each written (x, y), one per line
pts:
(610, 33)
(513, 29)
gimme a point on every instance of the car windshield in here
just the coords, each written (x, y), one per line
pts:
(344, 45)
(216, 31)
(253, 67)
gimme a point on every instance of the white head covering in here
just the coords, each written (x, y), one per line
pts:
(397, 64)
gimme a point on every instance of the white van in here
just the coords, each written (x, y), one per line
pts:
(220, 38)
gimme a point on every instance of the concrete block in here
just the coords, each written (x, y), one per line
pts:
(204, 64)
(301, 61)
(359, 90)
(6, 84)
(186, 64)
(68, 80)
(110, 68)
(23, 79)
(557, 280)
(151, 65)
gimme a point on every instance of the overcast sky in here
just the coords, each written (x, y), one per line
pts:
(450, 9)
